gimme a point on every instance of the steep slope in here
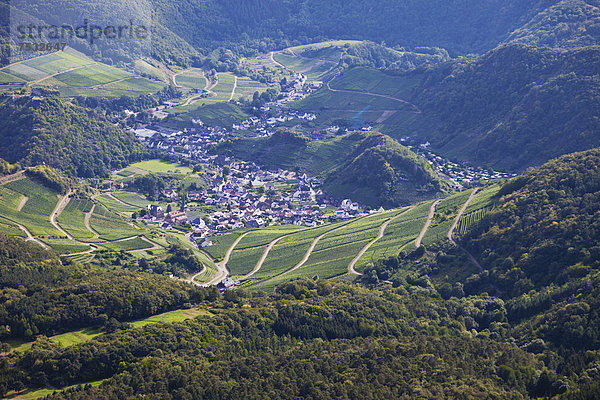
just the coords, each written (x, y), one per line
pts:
(462, 27)
(512, 108)
(45, 129)
(547, 220)
(368, 167)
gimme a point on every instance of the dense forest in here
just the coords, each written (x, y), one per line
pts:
(39, 294)
(374, 168)
(216, 33)
(319, 340)
(48, 130)
(538, 250)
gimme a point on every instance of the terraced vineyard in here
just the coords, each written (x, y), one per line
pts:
(260, 259)
(329, 251)
(72, 219)
(483, 203)
(30, 204)
(74, 74)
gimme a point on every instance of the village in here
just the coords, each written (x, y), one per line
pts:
(250, 197)
(247, 196)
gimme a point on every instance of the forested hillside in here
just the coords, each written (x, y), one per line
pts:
(323, 340)
(46, 129)
(568, 23)
(546, 221)
(515, 107)
(368, 167)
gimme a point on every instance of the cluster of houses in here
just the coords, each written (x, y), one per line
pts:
(251, 197)
(261, 124)
(458, 175)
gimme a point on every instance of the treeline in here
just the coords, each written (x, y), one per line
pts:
(548, 223)
(177, 260)
(48, 130)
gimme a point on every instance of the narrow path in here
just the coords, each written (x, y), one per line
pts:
(382, 229)
(234, 87)
(91, 250)
(310, 250)
(453, 228)
(192, 279)
(209, 86)
(30, 237)
(277, 62)
(385, 96)
(22, 203)
(460, 214)
(86, 221)
(154, 246)
(427, 223)
(59, 73)
(13, 177)
(60, 206)
(263, 257)
(222, 270)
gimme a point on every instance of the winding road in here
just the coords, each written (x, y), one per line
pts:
(193, 281)
(417, 110)
(427, 223)
(382, 229)
(277, 62)
(86, 222)
(264, 256)
(222, 271)
(453, 228)
(60, 206)
(30, 237)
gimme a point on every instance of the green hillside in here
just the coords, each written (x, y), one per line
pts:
(568, 23)
(46, 129)
(511, 108)
(562, 198)
(368, 167)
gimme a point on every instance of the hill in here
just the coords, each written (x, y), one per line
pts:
(512, 108)
(568, 23)
(367, 166)
(546, 221)
(46, 129)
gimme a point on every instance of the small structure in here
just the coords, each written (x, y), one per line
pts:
(227, 284)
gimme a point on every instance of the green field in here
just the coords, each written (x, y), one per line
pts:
(220, 114)
(158, 167)
(74, 74)
(136, 243)
(171, 316)
(192, 79)
(114, 205)
(110, 225)
(144, 67)
(65, 246)
(35, 214)
(445, 215)
(72, 218)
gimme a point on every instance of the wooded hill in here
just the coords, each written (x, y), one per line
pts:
(367, 166)
(48, 130)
